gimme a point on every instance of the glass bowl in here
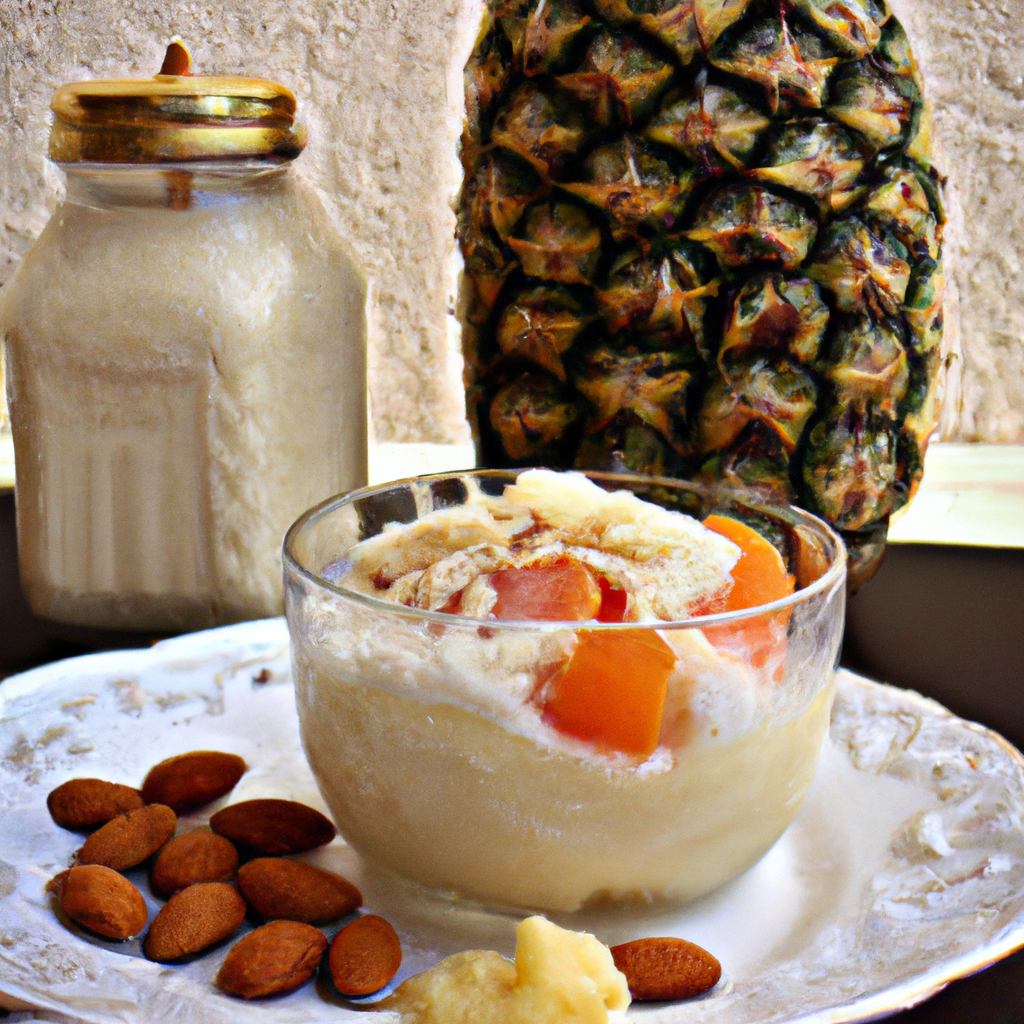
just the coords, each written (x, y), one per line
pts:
(420, 729)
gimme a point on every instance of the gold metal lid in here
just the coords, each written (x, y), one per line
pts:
(174, 117)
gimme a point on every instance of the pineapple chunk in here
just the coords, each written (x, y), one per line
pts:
(559, 977)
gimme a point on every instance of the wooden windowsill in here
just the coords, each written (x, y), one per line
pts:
(972, 494)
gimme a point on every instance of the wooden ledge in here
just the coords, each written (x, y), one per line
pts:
(971, 494)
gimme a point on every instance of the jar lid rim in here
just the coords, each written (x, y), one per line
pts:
(172, 118)
(76, 94)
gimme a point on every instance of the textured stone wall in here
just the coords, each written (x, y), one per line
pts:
(375, 82)
(972, 55)
(369, 124)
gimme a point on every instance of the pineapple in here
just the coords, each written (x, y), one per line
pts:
(702, 238)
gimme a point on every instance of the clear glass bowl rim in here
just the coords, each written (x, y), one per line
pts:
(835, 572)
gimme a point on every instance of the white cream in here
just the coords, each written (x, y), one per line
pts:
(445, 795)
(665, 561)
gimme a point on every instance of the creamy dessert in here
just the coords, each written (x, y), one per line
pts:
(522, 696)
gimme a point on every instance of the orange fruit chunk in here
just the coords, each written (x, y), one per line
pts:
(612, 692)
(558, 592)
(759, 577)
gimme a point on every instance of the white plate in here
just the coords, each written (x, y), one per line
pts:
(903, 870)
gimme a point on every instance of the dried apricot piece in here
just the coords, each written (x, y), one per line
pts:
(560, 592)
(759, 577)
(613, 602)
(612, 691)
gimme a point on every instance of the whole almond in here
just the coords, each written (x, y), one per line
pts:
(292, 891)
(365, 955)
(193, 919)
(188, 781)
(130, 838)
(100, 899)
(81, 803)
(273, 959)
(197, 856)
(666, 968)
(273, 826)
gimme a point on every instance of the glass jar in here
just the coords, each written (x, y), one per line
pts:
(185, 351)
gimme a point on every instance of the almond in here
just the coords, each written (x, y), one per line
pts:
(100, 899)
(130, 838)
(293, 891)
(197, 856)
(193, 919)
(188, 781)
(365, 955)
(273, 826)
(81, 803)
(666, 968)
(276, 958)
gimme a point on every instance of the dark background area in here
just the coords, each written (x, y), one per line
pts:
(945, 621)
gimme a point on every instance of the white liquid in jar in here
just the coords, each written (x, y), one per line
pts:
(183, 384)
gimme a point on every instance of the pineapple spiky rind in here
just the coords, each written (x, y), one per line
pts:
(703, 238)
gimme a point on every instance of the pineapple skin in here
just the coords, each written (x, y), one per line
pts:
(703, 239)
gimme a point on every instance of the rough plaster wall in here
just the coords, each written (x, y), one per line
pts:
(342, 59)
(972, 55)
(368, 126)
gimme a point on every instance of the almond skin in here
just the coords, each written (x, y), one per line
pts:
(188, 781)
(195, 918)
(100, 899)
(365, 955)
(197, 856)
(82, 803)
(130, 838)
(58, 884)
(666, 968)
(273, 959)
(292, 891)
(273, 827)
